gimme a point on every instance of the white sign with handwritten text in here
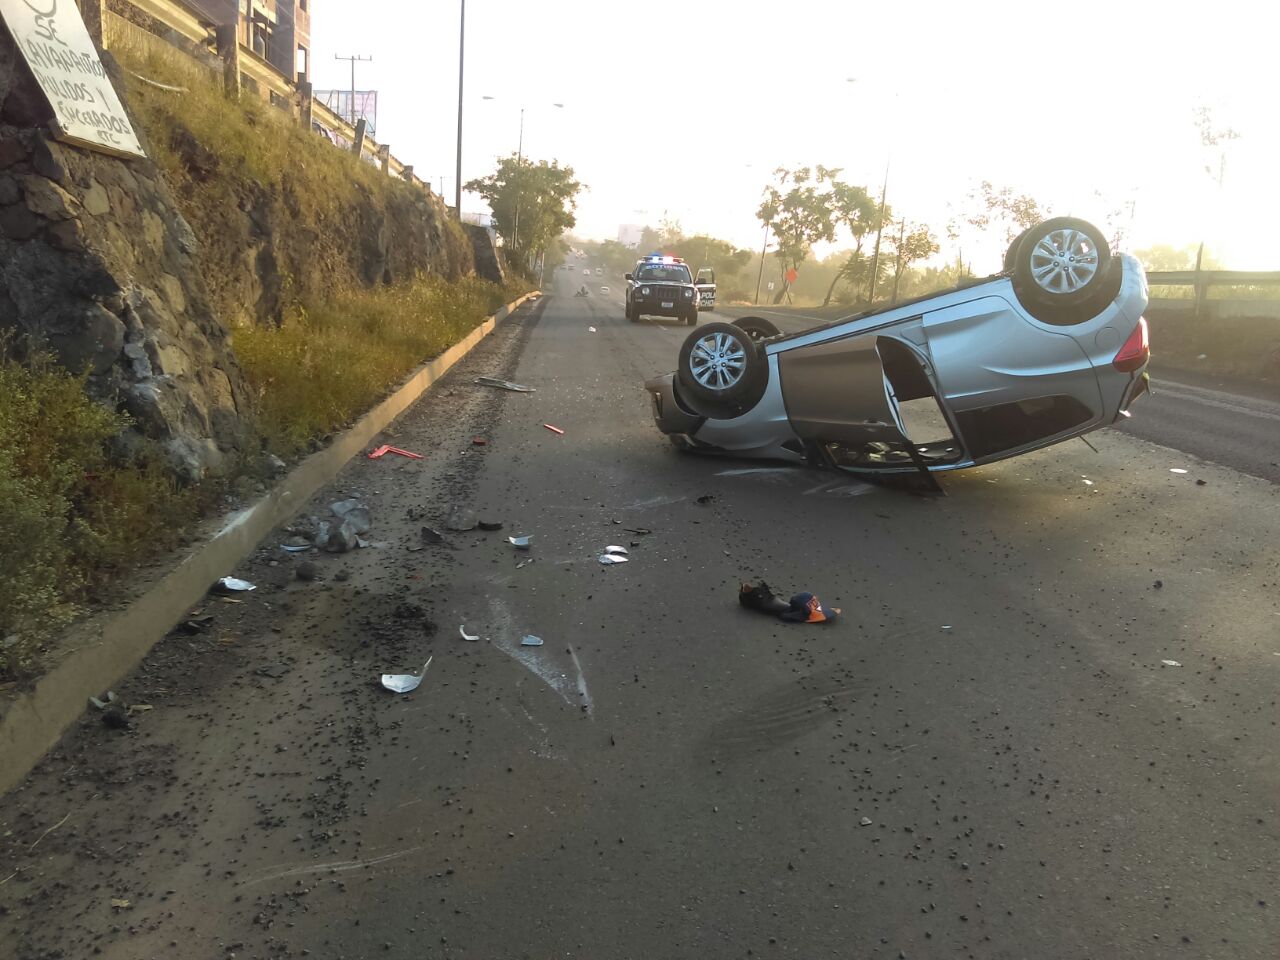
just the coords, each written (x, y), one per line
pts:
(57, 48)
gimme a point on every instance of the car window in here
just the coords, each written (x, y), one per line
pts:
(673, 272)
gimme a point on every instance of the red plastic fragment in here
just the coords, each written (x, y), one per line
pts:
(554, 429)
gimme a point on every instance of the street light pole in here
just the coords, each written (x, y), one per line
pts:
(462, 50)
(519, 175)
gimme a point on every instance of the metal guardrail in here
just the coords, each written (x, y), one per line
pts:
(1212, 278)
(191, 23)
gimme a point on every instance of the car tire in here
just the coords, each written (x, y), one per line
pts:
(721, 373)
(1011, 254)
(757, 328)
(632, 315)
(1063, 272)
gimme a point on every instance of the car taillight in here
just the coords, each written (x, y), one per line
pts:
(1136, 350)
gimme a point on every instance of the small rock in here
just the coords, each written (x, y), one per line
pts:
(865, 821)
(342, 576)
(1158, 584)
(307, 570)
(489, 525)
(115, 717)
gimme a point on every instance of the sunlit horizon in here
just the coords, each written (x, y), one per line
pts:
(1087, 117)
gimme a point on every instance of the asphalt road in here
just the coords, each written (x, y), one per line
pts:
(986, 756)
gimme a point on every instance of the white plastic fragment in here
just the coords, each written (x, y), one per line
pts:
(239, 586)
(1171, 663)
(466, 636)
(1177, 470)
(865, 821)
(609, 558)
(521, 543)
(405, 682)
(591, 329)
(530, 641)
(616, 549)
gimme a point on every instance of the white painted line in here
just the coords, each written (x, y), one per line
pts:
(1215, 398)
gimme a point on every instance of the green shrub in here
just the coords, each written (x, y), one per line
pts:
(69, 517)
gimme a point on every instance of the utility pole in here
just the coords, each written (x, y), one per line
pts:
(760, 275)
(462, 50)
(875, 259)
(354, 58)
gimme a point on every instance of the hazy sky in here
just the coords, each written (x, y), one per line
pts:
(686, 108)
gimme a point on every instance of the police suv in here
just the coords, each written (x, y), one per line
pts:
(662, 287)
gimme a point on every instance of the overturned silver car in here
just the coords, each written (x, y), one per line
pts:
(1049, 349)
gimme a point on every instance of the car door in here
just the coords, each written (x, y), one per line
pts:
(835, 392)
(1009, 383)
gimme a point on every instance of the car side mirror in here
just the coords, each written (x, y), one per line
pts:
(628, 276)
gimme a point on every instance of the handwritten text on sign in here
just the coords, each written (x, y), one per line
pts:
(57, 48)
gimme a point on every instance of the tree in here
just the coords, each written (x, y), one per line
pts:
(1001, 208)
(1164, 256)
(541, 197)
(913, 242)
(705, 251)
(854, 209)
(798, 206)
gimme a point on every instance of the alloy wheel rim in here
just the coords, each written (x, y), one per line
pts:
(718, 361)
(1064, 261)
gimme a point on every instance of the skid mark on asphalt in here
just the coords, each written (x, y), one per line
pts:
(538, 660)
(340, 866)
(785, 715)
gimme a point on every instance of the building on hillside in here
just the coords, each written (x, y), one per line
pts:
(629, 234)
(278, 31)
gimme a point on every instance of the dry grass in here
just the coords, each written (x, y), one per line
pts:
(325, 366)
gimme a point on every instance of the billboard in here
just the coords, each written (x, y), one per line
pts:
(341, 103)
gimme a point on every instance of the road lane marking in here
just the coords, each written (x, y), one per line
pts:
(1214, 398)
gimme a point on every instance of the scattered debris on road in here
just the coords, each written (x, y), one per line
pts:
(490, 525)
(383, 450)
(555, 430)
(865, 821)
(530, 641)
(234, 585)
(355, 512)
(613, 554)
(591, 329)
(1158, 585)
(801, 608)
(503, 384)
(460, 518)
(197, 623)
(296, 546)
(706, 498)
(462, 629)
(405, 682)
(307, 570)
(430, 535)
(522, 542)
(1171, 663)
(1177, 470)
(479, 441)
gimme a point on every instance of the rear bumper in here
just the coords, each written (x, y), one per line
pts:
(670, 416)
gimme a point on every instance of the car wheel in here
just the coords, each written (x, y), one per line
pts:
(1010, 257)
(633, 315)
(757, 328)
(1062, 270)
(721, 372)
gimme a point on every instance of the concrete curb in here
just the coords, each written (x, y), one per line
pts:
(37, 718)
